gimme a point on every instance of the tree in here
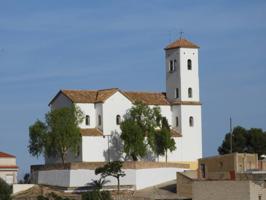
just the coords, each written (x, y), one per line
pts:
(163, 140)
(244, 141)
(58, 134)
(139, 130)
(111, 169)
(5, 190)
(26, 179)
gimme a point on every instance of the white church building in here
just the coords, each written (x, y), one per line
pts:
(104, 110)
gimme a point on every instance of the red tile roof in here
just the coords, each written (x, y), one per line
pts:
(8, 167)
(99, 96)
(181, 43)
(91, 132)
(6, 155)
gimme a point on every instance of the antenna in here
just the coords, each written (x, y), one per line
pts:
(231, 136)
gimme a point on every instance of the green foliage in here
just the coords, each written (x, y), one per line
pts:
(5, 190)
(52, 196)
(112, 169)
(98, 184)
(245, 141)
(57, 135)
(163, 140)
(97, 195)
(140, 131)
(26, 179)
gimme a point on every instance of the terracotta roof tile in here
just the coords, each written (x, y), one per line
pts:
(175, 133)
(6, 155)
(150, 98)
(181, 43)
(97, 96)
(91, 132)
(8, 167)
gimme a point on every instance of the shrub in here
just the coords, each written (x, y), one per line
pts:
(5, 190)
(97, 195)
(51, 196)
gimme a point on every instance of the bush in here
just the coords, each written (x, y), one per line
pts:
(51, 196)
(97, 195)
(5, 190)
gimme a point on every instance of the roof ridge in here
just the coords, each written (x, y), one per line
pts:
(145, 92)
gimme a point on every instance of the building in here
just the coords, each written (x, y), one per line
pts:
(104, 109)
(226, 167)
(8, 168)
(225, 177)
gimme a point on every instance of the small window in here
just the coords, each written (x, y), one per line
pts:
(189, 64)
(176, 122)
(171, 66)
(189, 92)
(118, 119)
(191, 121)
(176, 93)
(87, 120)
(99, 120)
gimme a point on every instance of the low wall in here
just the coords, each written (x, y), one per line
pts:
(21, 187)
(139, 175)
(222, 190)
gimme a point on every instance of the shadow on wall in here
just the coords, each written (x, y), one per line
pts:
(115, 151)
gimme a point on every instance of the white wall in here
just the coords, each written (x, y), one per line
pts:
(94, 148)
(140, 178)
(191, 140)
(115, 105)
(87, 109)
(60, 102)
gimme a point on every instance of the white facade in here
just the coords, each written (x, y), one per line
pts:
(8, 168)
(183, 113)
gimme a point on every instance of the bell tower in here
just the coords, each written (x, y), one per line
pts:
(182, 91)
(182, 76)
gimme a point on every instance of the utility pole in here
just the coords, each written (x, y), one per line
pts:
(231, 136)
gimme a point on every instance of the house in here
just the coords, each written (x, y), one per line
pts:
(227, 166)
(104, 110)
(225, 177)
(8, 168)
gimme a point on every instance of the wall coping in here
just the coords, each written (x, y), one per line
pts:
(94, 165)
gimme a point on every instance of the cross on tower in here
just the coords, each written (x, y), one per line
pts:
(181, 33)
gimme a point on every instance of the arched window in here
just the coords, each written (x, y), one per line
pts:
(176, 122)
(99, 120)
(87, 120)
(191, 121)
(118, 119)
(189, 64)
(176, 93)
(189, 92)
(172, 65)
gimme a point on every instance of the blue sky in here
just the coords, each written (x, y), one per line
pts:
(49, 45)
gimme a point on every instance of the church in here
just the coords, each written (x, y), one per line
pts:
(104, 110)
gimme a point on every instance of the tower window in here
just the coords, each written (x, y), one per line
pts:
(99, 120)
(176, 122)
(189, 64)
(191, 121)
(87, 120)
(189, 92)
(118, 119)
(172, 65)
(176, 93)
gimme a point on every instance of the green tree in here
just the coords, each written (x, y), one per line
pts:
(139, 130)
(112, 169)
(5, 190)
(163, 140)
(57, 135)
(244, 141)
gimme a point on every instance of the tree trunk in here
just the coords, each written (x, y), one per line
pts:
(166, 156)
(134, 157)
(118, 185)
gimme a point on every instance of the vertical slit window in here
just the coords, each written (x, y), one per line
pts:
(189, 64)
(118, 119)
(189, 92)
(87, 120)
(191, 121)
(176, 93)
